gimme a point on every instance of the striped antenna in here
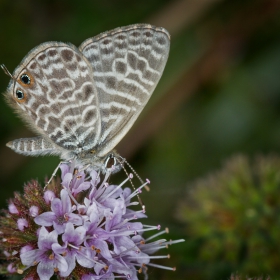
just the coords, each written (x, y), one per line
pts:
(135, 173)
(6, 71)
(121, 162)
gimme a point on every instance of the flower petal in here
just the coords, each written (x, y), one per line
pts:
(45, 219)
(60, 228)
(70, 258)
(58, 249)
(85, 257)
(56, 207)
(82, 187)
(64, 169)
(29, 258)
(61, 263)
(73, 236)
(67, 179)
(46, 239)
(66, 202)
(75, 219)
(104, 251)
(45, 269)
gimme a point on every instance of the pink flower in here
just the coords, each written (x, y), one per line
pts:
(83, 226)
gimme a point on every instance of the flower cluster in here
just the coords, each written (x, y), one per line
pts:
(234, 215)
(81, 228)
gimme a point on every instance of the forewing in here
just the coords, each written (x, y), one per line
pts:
(60, 101)
(127, 64)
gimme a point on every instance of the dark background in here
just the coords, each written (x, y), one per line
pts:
(219, 94)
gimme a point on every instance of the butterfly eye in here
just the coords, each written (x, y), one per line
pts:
(25, 79)
(110, 161)
(19, 94)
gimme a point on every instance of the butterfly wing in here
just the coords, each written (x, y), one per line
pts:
(127, 64)
(53, 90)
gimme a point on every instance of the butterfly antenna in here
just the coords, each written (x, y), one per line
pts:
(122, 165)
(135, 173)
(6, 71)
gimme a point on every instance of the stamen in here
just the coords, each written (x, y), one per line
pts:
(100, 189)
(84, 168)
(121, 224)
(171, 242)
(156, 244)
(115, 189)
(66, 217)
(129, 176)
(70, 194)
(127, 250)
(132, 169)
(152, 227)
(151, 257)
(157, 234)
(133, 204)
(161, 266)
(136, 192)
(82, 254)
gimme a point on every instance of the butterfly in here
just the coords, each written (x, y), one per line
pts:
(82, 101)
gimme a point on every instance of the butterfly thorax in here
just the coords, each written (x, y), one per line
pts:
(95, 161)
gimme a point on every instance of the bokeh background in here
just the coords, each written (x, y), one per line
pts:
(219, 96)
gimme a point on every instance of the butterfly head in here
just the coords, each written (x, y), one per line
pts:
(20, 92)
(19, 84)
(112, 161)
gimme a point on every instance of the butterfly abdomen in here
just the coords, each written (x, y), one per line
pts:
(32, 146)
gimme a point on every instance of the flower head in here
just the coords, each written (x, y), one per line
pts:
(47, 257)
(82, 228)
(60, 215)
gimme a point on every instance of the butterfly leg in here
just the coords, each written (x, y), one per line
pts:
(55, 171)
(85, 167)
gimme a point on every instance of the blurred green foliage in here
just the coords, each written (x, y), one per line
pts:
(238, 277)
(233, 214)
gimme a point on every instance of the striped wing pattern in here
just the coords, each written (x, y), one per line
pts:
(127, 64)
(80, 100)
(61, 101)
